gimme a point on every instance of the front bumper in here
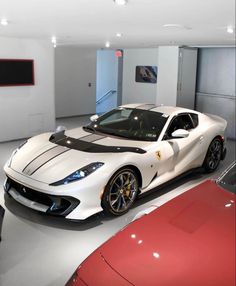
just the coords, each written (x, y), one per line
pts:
(75, 201)
(50, 204)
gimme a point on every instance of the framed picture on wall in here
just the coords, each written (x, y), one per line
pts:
(16, 72)
(146, 74)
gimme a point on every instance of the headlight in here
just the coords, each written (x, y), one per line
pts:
(79, 174)
(14, 152)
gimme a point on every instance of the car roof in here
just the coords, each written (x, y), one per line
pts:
(168, 110)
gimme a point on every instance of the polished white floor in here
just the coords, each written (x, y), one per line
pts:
(44, 251)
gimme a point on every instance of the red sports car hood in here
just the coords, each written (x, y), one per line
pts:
(95, 271)
(188, 241)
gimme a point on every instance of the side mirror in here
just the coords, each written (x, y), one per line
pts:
(94, 118)
(180, 133)
(60, 128)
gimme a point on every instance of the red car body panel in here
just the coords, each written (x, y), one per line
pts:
(97, 271)
(188, 241)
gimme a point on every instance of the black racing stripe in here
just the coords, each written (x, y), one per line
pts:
(44, 158)
(92, 137)
(146, 106)
(37, 158)
(77, 144)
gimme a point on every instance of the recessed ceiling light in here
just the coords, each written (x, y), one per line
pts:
(121, 2)
(118, 35)
(230, 29)
(107, 44)
(176, 26)
(4, 22)
(172, 26)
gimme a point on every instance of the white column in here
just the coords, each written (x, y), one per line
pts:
(167, 79)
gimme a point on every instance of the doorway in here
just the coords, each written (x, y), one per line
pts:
(108, 80)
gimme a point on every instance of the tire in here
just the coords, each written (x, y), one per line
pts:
(213, 156)
(120, 192)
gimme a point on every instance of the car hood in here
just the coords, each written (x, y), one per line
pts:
(190, 240)
(46, 159)
(96, 271)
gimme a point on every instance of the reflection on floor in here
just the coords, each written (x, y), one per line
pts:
(44, 251)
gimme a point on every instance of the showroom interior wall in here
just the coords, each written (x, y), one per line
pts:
(135, 92)
(216, 84)
(28, 110)
(107, 76)
(75, 81)
(166, 58)
(74, 97)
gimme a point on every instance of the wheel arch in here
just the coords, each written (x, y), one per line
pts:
(220, 137)
(135, 169)
(221, 140)
(138, 173)
(223, 149)
(124, 167)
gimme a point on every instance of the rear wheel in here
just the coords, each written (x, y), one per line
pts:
(120, 192)
(213, 156)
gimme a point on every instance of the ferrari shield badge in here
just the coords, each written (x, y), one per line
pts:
(158, 155)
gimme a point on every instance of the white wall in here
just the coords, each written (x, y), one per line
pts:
(137, 92)
(28, 110)
(168, 58)
(165, 91)
(75, 68)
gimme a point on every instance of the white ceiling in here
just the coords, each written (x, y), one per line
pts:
(92, 22)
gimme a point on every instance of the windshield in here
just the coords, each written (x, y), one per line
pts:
(135, 124)
(228, 179)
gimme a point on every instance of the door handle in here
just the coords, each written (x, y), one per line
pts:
(201, 138)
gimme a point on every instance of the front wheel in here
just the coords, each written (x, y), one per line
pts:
(120, 192)
(213, 156)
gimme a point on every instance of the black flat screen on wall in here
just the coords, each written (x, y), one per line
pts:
(16, 72)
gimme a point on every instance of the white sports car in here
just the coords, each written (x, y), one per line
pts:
(119, 155)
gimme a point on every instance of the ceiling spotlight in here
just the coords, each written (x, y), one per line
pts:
(4, 22)
(177, 26)
(172, 26)
(118, 35)
(121, 2)
(107, 44)
(230, 29)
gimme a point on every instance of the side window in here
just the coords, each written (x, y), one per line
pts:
(183, 121)
(195, 119)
